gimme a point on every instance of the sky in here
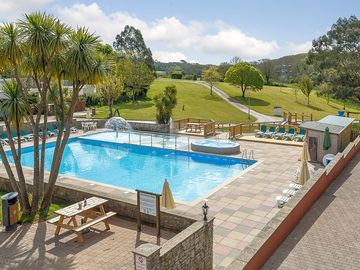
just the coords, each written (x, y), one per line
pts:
(207, 32)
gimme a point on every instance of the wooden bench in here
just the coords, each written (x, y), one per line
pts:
(66, 218)
(104, 218)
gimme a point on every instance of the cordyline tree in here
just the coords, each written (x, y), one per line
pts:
(44, 49)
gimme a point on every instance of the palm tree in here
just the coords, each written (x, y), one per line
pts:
(81, 66)
(13, 109)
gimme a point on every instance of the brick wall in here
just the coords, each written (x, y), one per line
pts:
(280, 226)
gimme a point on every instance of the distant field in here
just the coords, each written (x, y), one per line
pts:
(264, 101)
(195, 99)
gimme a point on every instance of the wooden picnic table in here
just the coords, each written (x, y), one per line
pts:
(66, 218)
(195, 126)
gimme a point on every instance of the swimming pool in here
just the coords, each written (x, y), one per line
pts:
(190, 175)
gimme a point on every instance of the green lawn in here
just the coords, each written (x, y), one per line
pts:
(195, 98)
(264, 101)
(26, 219)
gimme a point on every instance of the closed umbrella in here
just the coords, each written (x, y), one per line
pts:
(327, 141)
(305, 155)
(304, 173)
(167, 199)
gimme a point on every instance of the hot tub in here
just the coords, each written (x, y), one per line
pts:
(216, 147)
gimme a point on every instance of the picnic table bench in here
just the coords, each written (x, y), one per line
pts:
(196, 126)
(67, 217)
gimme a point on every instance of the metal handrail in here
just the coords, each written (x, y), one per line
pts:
(161, 135)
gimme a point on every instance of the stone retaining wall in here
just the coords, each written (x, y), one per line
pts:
(124, 207)
(136, 125)
(280, 226)
(190, 249)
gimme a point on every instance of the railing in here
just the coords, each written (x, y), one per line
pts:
(294, 118)
(350, 114)
(239, 129)
(205, 126)
(245, 154)
(160, 140)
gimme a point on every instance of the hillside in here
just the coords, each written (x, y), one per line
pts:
(193, 97)
(264, 101)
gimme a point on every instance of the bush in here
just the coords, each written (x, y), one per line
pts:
(94, 100)
(277, 84)
(165, 103)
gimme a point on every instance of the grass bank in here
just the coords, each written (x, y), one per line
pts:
(194, 100)
(264, 101)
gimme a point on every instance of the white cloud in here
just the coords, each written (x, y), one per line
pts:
(168, 56)
(12, 9)
(170, 33)
(232, 41)
(295, 48)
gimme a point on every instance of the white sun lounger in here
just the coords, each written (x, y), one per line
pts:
(295, 186)
(289, 192)
(281, 200)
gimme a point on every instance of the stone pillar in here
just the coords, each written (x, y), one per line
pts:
(147, 257)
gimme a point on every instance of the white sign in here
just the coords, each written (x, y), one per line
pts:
(148, 204)
(140, 262)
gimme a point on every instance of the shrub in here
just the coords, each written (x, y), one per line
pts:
(94, 100)
(165, 103)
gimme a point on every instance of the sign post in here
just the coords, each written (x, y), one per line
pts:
(148, 203)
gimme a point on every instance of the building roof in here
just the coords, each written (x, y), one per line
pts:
(337, 120)
(335, 124)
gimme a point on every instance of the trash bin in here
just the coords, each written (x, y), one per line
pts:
(93, 111)
(10, 210)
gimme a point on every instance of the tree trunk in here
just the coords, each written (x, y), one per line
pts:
(42, 155)
(59, 150)
(211, 87)
(110, 104)
(20, 174)
(308, 100)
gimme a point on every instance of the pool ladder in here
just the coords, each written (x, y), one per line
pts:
(245, 154)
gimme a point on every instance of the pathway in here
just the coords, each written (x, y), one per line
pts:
(259, 116)
(328, 236)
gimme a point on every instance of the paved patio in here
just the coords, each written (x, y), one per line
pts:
(35, 247)
(328, 236)
(241, 207)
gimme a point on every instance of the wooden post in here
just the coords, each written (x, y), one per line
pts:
(311, 117)
(138, 215)
(158, 215)
(148, 208)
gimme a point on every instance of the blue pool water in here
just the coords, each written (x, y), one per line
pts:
(190, 175)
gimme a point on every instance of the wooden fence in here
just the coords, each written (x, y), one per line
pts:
(239, 129)
(295, 118)
(208, 126)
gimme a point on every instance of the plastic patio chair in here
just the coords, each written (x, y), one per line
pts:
(262, 131)
(290, 134)
(301, 135)
(270, 133)
(280, 133)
